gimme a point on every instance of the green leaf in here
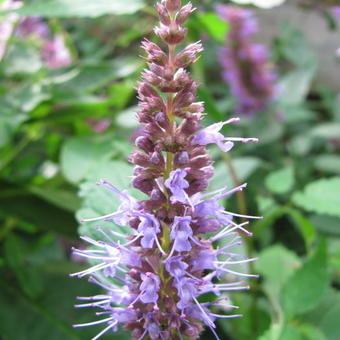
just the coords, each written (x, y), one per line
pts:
(326, 130)
(305, 289)
(328, 163)
(304, 225)
(295, 86)
(23, 205)
(326, 224)
(327, 321)
(214, 26)
(244, 167)
(98, 201)
(276, 264)
(311, 332)
(81, 154)
(321, 196)
(280, 181)
(79, 8)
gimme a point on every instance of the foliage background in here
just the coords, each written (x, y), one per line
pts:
(51, 157)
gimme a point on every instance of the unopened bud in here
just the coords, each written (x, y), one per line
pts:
(172, 5)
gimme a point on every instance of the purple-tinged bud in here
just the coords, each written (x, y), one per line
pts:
(143, 184)
(157, 159)
(155, 53)
(188, 55)
(183, 14)
(172, 5)
(172, 35)
(208, 225)
(139, 158)
(163, 14)
(181, 158)
(144, 143)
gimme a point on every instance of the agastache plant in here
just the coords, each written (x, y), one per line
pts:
(246, 66)
(153, 279)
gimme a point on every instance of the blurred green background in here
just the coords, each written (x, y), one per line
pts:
(64, 126)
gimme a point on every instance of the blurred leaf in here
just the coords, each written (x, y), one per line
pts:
(326, 224)
(64, 199)
(79, 8)
(295, 86)
(21, 59)
(127, 118)
(16, 255)
(305, 289)
(81, 154)
(280, 181)
(326, 130)
(328, 163)
(214, 26)
(304, 225)
(327, 321)
(321, 196)
(98, 200)
(276, 264)
(210, 106)
(244, 167)
(22, 205)
(310, 332)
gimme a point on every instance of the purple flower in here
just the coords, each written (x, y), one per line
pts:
(167, 258)
(186, 291)
(176, 267)
(211, 135)
(149, 288)
(176, 183)
(246, 67)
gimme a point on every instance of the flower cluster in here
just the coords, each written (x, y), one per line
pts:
(154, 277)
(246, 67)
(53, 50)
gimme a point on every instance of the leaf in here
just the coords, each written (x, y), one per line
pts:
(81, 154)
(327, 321)
(326, 130)
(16, 255)
(295, 86)
(326, 224)
(305, 289)
(244, 167)
(29, 208)
(304, 225)
(328, 163)
(214, 26)
(311, 332)
(321, 196)
(276, 264)
(79, 8)
(280, 181)
(98, 201)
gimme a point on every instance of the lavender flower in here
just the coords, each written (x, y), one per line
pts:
(158, 271)
(246, 67)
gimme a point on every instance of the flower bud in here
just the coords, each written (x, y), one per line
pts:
(172, 5)
(183, 14)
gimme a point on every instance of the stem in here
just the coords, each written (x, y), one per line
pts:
(242, 206)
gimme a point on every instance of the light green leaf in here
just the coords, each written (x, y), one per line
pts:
(80, 155)
(295, 86)
(305, 289)
(326, 224)
(306, 228)
(244, 167)
(98, 200)
(310, 332)
(328, 163)
(280, 181)
(214, 26)
(326, 130)
(321, 196)
(276, 264)
(79, 8)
